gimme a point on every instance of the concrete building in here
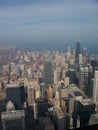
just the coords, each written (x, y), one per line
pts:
(95, 88)
(55, 77)
(80, 59)
(13, 120)
(30, 95)
(84, 54)
(93, 119)
(59, 118)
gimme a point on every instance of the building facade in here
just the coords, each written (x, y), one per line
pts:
(13, 120)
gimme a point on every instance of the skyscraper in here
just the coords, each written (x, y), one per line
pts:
(55, 77)
(59, 118)
(84, 54)
(95, 88)
(42, 90)
(78, 51)
(48, 73)
(83, 77)
(15, 93)
(31, 95)
(13, 120)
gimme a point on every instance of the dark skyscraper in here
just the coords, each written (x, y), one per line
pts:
(41, 107)
(42, 90)
(15, 93)
(78, 51)
(48, 73)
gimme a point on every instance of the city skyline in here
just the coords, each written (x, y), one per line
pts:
(48, 23)
(53, 89)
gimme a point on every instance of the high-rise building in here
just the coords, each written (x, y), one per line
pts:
(83, 77)
(13, 120)
(95, 88)
(59, 118)
(55, 77)
(86, 108)
(83, 108)
(68, 54)
(48, 73)
(80, 59)
(78, 51)
(84, 54)
(42, 90)
(94, 64)
(41, 107)
(31, 95)
(45, 123)
(15, 93)
(63, 61)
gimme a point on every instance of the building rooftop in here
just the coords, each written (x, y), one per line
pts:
(86, 101)
(83, 68)
(78, 93)
(75, 91)
(59, 112)
(12, 114)
(14, 84)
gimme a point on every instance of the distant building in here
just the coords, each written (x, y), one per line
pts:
(94, 64)
(83, 77)
(13, 120)
(48, 73)
(55, 77)
(78, 51)
(80, 59)
(42, 90)
(95, 88)
(72, 76)
(84, 54)
(30, 95)
(15, 93)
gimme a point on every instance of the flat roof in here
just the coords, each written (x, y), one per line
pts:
(86, 101)
(12, 114)
(13, 85)
(59, 112)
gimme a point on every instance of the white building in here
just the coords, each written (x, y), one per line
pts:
(95, 88)
(55, 77)
(31, 95)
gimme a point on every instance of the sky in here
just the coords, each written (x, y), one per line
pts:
(48, 22)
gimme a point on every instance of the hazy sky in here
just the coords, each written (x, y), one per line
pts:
(48, 21)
